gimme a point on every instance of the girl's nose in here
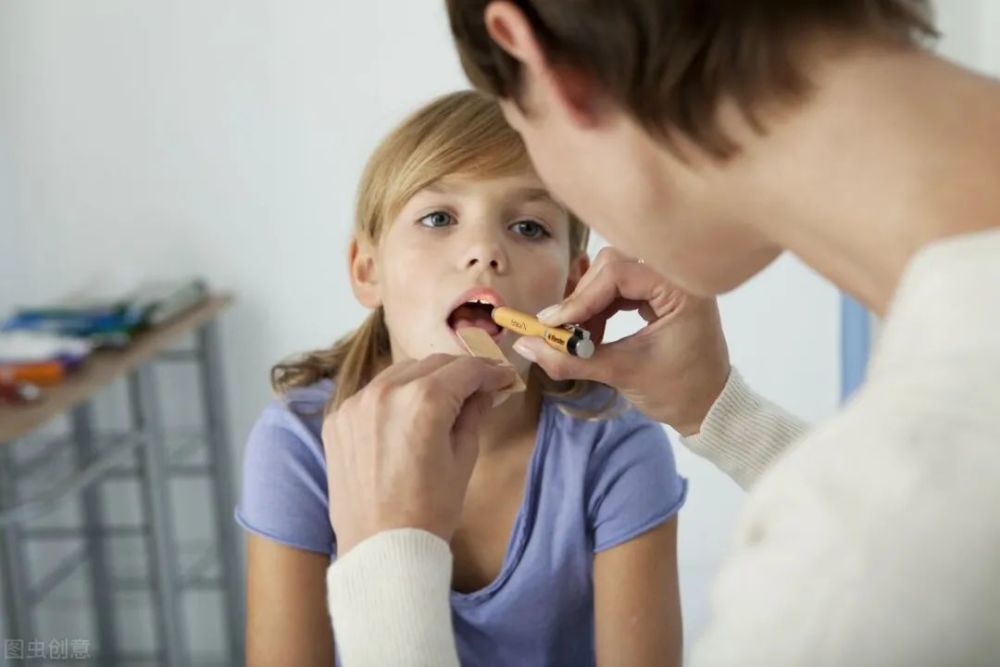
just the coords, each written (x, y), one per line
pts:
(482, 247)
(485, 253)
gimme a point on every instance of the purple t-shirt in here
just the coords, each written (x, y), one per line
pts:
(591, 485)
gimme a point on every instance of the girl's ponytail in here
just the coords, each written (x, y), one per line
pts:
(352, 362)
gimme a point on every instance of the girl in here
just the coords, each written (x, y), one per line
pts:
(567, 550)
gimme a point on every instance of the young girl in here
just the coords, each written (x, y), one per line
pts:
(566, 554)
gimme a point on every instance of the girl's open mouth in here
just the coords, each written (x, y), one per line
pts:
(475, 314)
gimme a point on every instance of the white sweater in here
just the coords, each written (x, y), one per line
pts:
(872, 540)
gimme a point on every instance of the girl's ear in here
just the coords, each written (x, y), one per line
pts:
(363, 263)
(577, 268)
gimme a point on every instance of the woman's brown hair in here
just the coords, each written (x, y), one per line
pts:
(461, 133)
(670, 63)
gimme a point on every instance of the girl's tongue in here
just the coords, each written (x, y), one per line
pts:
(474, 315)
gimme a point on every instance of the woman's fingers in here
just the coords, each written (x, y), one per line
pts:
(615, 286)
(402, 450)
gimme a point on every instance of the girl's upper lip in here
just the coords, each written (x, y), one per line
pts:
(478, 293)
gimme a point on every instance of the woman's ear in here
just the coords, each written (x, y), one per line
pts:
(569, 88)
(363, 263)
(577, 268)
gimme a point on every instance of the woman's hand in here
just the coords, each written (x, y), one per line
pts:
(672, 370)
(400, 452)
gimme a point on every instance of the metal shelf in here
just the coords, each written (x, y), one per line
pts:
(147, 452)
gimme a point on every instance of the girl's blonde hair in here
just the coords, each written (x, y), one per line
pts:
(461, 133)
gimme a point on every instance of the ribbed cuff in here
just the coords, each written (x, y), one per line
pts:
(389, 601)
(744, 433)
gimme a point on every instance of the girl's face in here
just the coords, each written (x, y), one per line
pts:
(503, 241)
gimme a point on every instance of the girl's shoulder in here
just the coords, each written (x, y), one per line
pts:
(602, 416)
(299, 408)
(284, 472)
(624, 466)
(602, 443)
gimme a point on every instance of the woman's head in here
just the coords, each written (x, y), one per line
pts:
(449, 209)
(664, 106)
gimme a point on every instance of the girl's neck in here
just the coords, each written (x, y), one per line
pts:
(512, 421)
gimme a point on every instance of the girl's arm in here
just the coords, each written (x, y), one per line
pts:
(637, 609)
(287, 620)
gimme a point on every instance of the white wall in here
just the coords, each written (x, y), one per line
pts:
(10, 242)
(225, 138)
(989, 30)
(970, 31)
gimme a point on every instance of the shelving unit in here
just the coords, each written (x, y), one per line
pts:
(147, 452)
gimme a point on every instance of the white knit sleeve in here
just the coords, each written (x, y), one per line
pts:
(744, 432)
(389, 602)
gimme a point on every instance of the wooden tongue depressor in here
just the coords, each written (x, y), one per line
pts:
(479, 344)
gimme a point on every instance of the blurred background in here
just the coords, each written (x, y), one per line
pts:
(154, 139)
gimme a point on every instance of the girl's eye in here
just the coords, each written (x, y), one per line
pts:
(530, 229)
(436, 219)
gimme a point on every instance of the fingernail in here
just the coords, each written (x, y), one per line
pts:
(522, 348)
(548, 314)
